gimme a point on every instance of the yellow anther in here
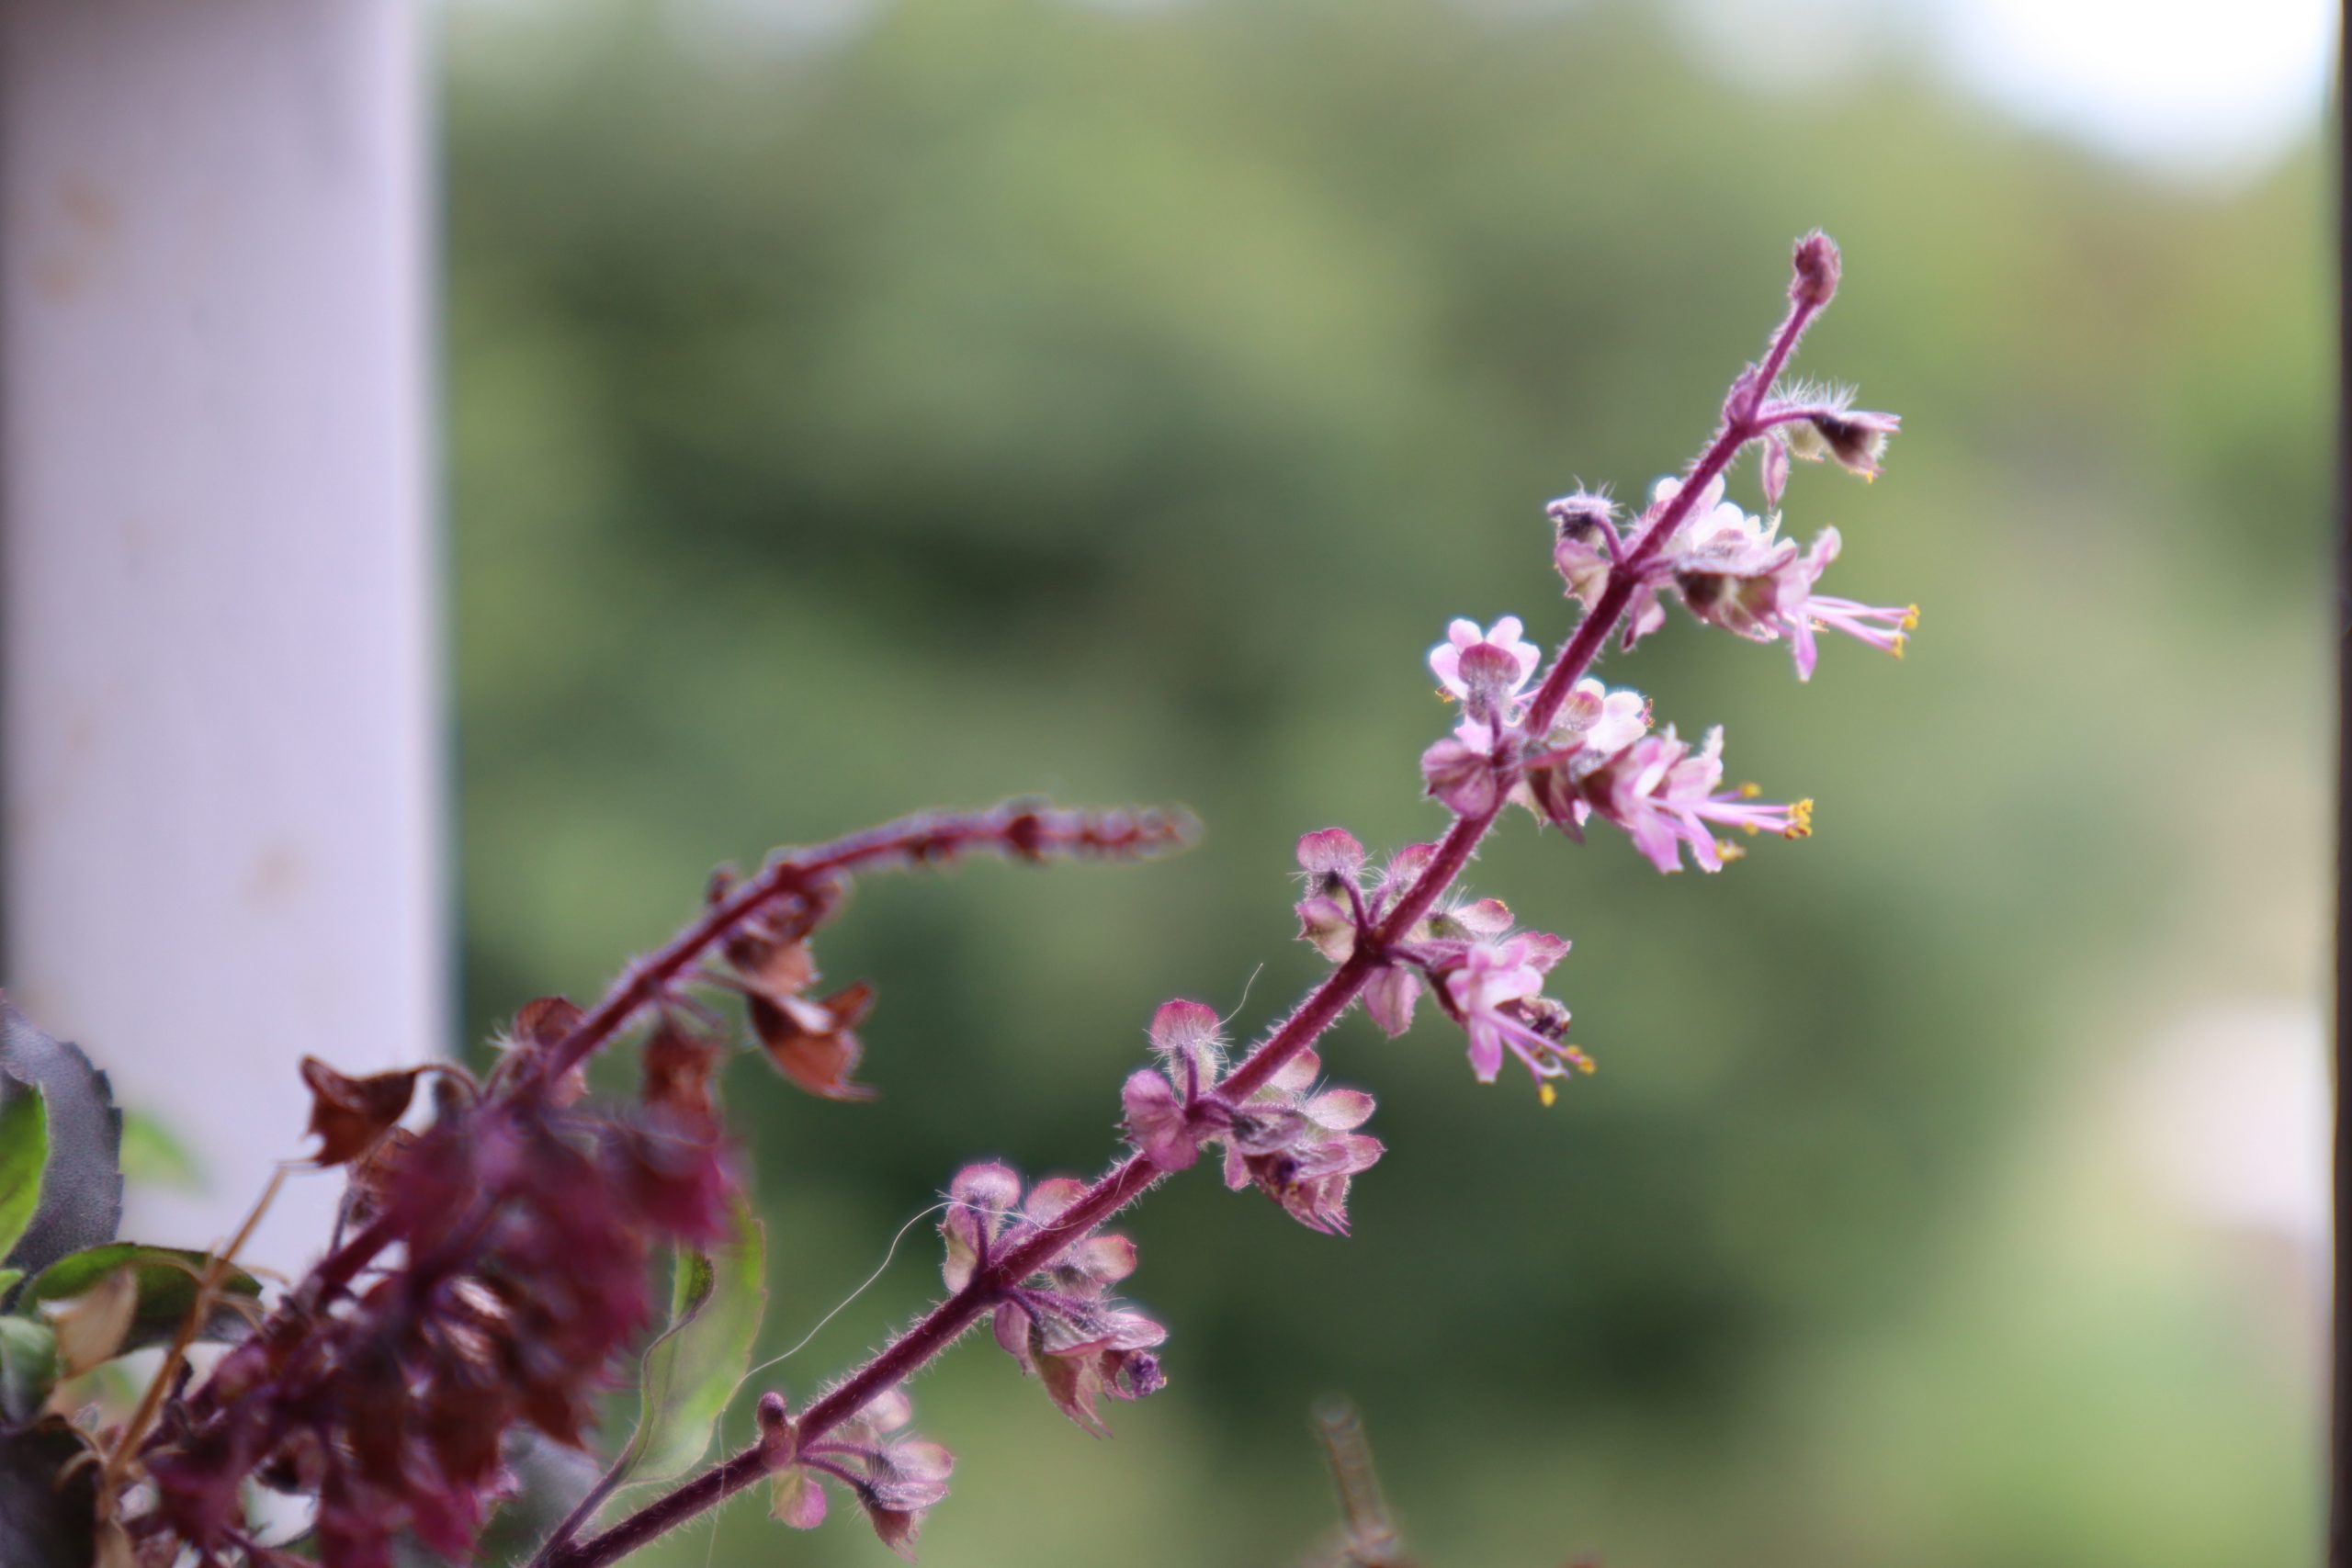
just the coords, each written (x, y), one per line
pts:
(1444, 696)
(1749, 791)
(1750, 828)
(1578, 1060)
(1547, 1094)
(1895, 648)
(1911, 617)
(1799, 821)
(1726, 850)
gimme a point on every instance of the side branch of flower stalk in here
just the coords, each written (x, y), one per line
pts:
(1129, 1179)
(1028, 832)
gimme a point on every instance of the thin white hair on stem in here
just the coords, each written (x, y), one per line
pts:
(879, 1268)
(1243, 999)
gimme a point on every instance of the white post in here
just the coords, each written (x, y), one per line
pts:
(219, 712)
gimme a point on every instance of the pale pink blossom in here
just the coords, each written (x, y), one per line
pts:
(1461, 636)
(1666, 796)
(1496, 991)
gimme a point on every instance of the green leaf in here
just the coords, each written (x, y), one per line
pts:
(717, 1300)
(24, 1150)
(81, 1189)
(152, 1156)
(167, 1288)
(27, 1368)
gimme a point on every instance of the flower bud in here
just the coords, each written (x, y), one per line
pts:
(1329, 925)
(1815, 278)
(778, 1439)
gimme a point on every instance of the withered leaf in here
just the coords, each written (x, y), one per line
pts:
(91, 1328)
(350, 1114)
(772, 968)
(678, 1066)
(815, 1044)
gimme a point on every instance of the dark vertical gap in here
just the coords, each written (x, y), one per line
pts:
(2339, 1488)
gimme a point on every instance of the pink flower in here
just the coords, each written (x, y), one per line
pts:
(1596, 720)
(1665, 795)
(1497, 992)
(896, 1477)
(1594, 725)
(1438, 938)
(1300, 1146)
(1169, 1111)
(1061, 1323)
(1462, 636)
(1803, 612)
(1735, 571)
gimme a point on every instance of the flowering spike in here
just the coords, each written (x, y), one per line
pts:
(501, 1257)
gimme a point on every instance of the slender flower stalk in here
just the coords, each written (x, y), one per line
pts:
(1489, 986)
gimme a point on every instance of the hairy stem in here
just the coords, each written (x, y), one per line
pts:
(1129, 1179)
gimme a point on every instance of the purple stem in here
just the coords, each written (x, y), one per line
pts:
(1129, 1179)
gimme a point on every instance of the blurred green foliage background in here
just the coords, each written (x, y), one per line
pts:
(1010, 396)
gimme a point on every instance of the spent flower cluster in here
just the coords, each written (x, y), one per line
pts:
(495, 1269)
